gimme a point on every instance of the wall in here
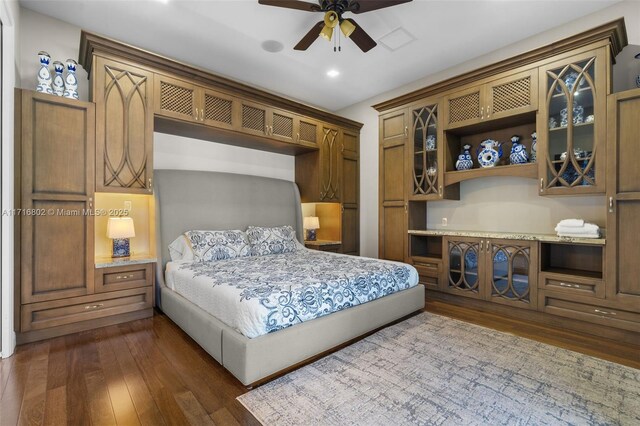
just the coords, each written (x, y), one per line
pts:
(517, 196)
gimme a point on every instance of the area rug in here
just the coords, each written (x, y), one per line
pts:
(434, 370)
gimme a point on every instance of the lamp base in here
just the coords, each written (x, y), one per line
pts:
(121, 247)
(311, 235)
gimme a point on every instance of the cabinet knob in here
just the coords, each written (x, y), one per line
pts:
(610, 204)
(202, 114)
(196, 117)
(150, 185)
(406, 130)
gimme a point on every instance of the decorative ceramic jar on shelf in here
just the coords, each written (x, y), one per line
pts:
(534, 147)
(71, 81)
(578, 115)
(490, 153)
(44, 75)
(464, 159)
(58, 80)
(431, 142)
(518, 151)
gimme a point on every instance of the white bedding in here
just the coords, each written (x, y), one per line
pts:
(257, 295)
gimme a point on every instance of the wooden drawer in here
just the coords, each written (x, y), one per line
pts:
(37, 316)
(123, 277)
(581, 286)
(555, 304)
(429, 273)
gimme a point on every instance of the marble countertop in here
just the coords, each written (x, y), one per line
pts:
(547, 238)
(109, 262)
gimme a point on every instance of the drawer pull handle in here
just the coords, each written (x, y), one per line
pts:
(99, 305)
(570, 285)
(430, 265)
(124, 277)
(600, 311)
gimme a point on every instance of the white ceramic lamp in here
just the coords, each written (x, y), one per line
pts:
(311, 223)
(120, 229)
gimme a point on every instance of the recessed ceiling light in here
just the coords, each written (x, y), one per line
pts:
(333, 73)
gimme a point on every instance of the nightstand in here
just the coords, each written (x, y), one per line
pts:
(323, 245)
(130, 273)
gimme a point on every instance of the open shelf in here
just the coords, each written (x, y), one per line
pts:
(426, 246)
(529, 170)
(572, 259)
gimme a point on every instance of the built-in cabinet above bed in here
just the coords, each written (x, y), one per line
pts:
(562, 93)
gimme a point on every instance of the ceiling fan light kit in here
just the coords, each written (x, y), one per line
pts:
(333, 10)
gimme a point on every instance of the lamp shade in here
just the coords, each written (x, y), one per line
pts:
(120, 227)
(311, 222)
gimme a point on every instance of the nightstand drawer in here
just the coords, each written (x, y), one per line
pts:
(37, 316)
(123, 277)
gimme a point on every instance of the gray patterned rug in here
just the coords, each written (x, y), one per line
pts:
(433, 370)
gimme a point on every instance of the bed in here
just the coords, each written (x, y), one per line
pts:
(267, 339)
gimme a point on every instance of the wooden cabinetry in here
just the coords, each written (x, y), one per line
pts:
(393, 219)
(623, 198)
(55, 182)
(123, 96)
(572, 132)
(500, 271)
(350, 191)
(503, 97)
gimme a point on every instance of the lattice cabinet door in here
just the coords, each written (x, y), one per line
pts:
(514, 94)
(329, 164)
(308, 131)
(464, 107)
(124, 127)
(512, 272)
(464, 263)
(281, 125)
(218, 109)
(177, 99)
(572, 130)
(254, 118)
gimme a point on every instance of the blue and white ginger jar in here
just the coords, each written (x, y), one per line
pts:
(431, 142)
(534, 147)
(464, 159)
(489, 153)
(518, 151)
(44, 75)
(71, 81)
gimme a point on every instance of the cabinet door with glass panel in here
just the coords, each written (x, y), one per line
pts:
(463, 260)
(426, 154)
(571, 152)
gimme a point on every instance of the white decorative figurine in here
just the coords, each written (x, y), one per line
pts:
(44, 75)
(71, 82)
(58, 80)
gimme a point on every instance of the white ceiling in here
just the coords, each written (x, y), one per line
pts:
(225, 36)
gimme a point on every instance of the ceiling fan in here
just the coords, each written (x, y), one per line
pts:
(333, 11)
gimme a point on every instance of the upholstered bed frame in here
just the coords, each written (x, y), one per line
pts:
(188, 200)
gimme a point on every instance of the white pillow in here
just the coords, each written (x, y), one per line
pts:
(180, 249)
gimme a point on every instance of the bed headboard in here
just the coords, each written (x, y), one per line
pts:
(187, 199)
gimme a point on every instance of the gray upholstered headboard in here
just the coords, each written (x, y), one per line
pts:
(187, 200)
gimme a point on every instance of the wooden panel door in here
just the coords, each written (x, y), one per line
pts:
(254, 118)
(572, 124)
(464, 107)
(330, 164)
(511, 95)
(393, 220)
(177, 99)
(308, 131)
(124, 127)
(56, 152)
(511, 277)
(350, 194)
(623, 197)
(281, 125)
(464, 267)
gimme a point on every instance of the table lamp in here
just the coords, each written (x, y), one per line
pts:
(120, 229)
(311, 223)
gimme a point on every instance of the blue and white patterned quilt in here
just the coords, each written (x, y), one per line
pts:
(257, 295)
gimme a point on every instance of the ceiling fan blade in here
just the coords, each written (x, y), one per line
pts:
(292, 4)
(362, 6)
(361, 38)
(310, 37)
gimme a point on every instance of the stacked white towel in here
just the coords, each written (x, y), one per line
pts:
(577, 228)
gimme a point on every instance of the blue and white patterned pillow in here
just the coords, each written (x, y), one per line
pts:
(209, 246)
(276, 240)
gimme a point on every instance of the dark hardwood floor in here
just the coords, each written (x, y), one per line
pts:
(150, 372)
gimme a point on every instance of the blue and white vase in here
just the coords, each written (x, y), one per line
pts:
(71, 81)
(44, 75)
(431, 142)
(578, 115)
(464, 159)
(518, 151)
(534, 147)
(490, 153)
(58, 79)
